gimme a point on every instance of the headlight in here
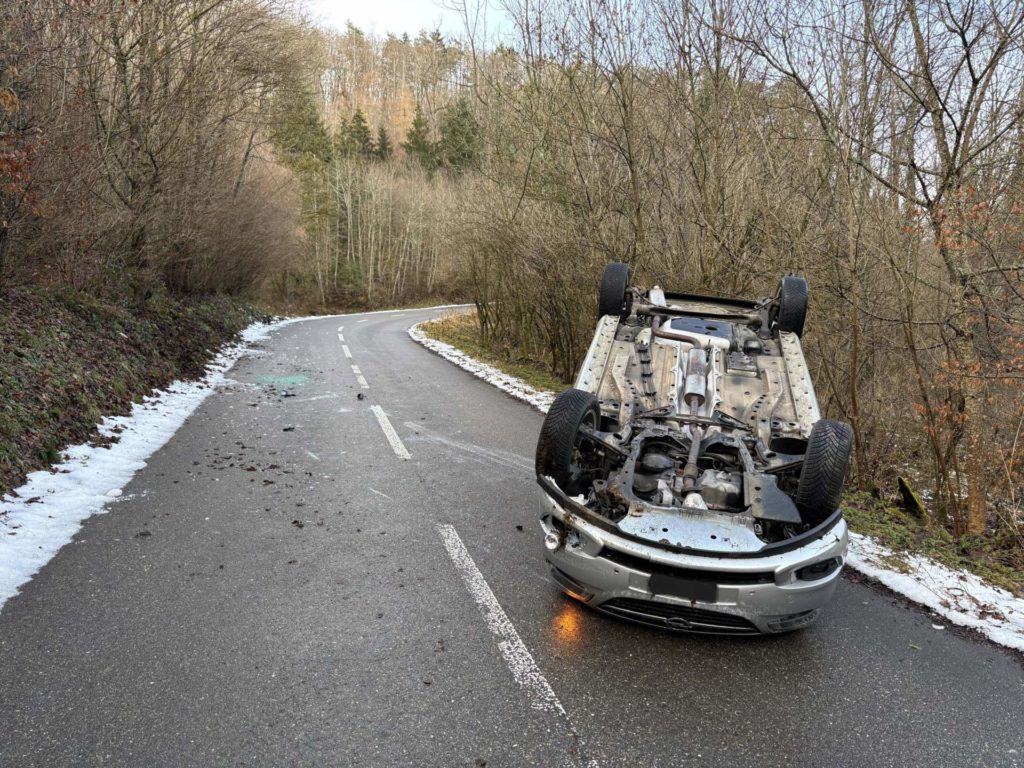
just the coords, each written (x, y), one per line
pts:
(818, 570)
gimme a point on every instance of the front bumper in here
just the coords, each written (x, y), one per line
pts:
(753, 595)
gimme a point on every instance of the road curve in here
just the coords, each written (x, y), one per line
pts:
(336, 561)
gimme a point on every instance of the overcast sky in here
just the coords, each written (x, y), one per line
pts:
(380, 17)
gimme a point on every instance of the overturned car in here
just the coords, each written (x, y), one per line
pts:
(688, 481)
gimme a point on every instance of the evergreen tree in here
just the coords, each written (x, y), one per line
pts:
(460, 146)
(383, 149)
(342, 139)
(417, 144)
(359, 138)
(298, 132)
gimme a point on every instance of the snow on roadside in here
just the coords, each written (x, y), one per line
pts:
(519, 389)
(41, 516)
(958, 596)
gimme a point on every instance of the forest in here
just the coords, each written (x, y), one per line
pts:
(179, 148)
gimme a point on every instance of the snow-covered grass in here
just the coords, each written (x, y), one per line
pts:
(958, 596)
(41, 516)
(519, 389)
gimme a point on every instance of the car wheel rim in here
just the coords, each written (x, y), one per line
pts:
(576, 464)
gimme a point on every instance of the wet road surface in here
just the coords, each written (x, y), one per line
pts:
(328, 579)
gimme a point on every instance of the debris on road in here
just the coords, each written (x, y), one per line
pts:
(84, 483)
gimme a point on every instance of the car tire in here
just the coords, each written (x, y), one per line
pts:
(826, 462)
(791, 305)
(614, 297)
(558, 447)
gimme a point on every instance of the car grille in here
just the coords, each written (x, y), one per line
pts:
(647, 566)
(678, 617)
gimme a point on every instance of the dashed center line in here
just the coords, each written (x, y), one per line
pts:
(341, 336)
(360, 377)
(518, 657)
(347, 351)
(389, 432)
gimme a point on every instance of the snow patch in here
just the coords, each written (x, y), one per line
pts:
(958, 596)
(539, 398)
(41, 516)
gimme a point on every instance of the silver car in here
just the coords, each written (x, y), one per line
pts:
(688, 480)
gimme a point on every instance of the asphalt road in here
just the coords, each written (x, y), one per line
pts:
(274, 589)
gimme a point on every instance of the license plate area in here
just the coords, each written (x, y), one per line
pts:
(680, 586)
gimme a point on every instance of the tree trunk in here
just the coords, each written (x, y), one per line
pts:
(977, 486)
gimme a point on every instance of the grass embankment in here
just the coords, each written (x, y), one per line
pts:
(462, 331)
(999, 562)
(67, 359)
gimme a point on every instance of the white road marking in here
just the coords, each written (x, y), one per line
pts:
(360, 377)
(347, 351)
(341, 338)
(520, 661)
(341, 328)
(362, 321)
(389, 432)
(312, 455)
(518, 657)
(381, 494)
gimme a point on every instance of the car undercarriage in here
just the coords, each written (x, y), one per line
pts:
(693, 428)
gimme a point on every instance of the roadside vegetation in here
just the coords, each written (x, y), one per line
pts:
(166, 150)
(462, 331)
(138, 210)
(67, 360)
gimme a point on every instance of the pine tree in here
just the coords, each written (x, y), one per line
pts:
(342, 141)
(460, 146)
(361, 142)
(383, 149)
(417, 144)
(298, 132)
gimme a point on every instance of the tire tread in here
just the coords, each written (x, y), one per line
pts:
(792, 305)
(557, 438)
(613, 298)
(823, 474)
